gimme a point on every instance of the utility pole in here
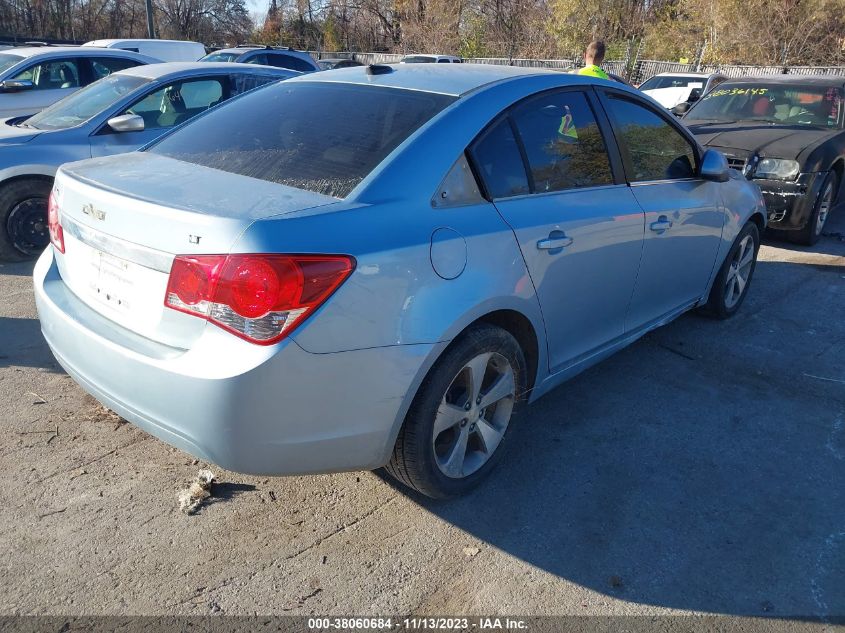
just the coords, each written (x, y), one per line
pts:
(151, 32)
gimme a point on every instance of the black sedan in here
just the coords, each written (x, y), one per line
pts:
(787, 134)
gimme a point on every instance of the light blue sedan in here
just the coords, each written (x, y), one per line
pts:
(117, 114)
(377, 267)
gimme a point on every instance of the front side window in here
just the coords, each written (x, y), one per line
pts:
(497, 157)
(563, 144)
(291, 133)
(86, 103)
(105, 66)
(177, 102)
(654, 148)
(52, 75)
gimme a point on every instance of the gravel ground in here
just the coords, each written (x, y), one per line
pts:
(700, 470)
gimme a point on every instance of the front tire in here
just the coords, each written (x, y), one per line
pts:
(811, 233)
(734, 278)
(457, 426)
(23, 219)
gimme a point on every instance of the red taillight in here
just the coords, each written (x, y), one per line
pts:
(57, 236)
(258, 297)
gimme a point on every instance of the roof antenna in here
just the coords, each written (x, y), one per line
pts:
(379, 69)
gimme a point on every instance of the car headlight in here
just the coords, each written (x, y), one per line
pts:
(776, 169)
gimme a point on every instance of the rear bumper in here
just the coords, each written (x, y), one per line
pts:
(790, 204)
(270, 411)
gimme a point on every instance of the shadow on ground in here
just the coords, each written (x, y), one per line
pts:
(22, 345)
(702, 468)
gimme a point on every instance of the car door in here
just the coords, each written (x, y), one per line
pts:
(684, 214)
(52, 80)
(164, 107)
(549, 169)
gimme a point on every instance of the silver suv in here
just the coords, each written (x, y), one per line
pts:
(32, 78)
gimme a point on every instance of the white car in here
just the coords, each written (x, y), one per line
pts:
(32, 78)
(431, 59)
(670, 89)
(165, 50)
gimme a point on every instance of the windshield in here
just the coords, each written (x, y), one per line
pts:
(290, 133)
(820, 106)
(666, 81)
(86, 103)
(221, 57)
(7, 61)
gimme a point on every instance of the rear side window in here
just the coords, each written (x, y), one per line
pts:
(259, 58)
(289, 61)
(243, 82)
(563, 143)
(498, 158)
(105, 66)
(654, 148)
(291, 133)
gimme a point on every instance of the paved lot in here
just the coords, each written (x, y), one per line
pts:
(700, 470)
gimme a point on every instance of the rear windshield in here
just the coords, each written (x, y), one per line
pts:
(221, 57)
(296, 134)
(7, 61)
(666, 81)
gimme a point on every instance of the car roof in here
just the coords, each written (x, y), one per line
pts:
(106, 42)
(247, 49)
(456, 80)
(159, 71)
(806, 80)
(70, 51)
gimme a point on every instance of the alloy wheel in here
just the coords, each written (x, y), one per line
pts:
(739, 272)
(27, 226)
(474, 414)
(825, 203)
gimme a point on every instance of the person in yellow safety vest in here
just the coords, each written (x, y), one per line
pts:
(593, 57)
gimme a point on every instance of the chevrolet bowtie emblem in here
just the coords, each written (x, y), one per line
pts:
(89, 209)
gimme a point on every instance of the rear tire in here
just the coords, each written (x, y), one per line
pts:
(811, 233)
(23, 219)
(458, 424)
(734, 278)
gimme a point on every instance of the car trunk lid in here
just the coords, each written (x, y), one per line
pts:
(125, 218)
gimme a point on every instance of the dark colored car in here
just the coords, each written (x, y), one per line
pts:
(331, 64)
(278, 56)
(787, 134)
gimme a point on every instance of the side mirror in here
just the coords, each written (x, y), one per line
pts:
(127, 123)
(694, 95)
(680, 109)
(16, 85)
(714, 166)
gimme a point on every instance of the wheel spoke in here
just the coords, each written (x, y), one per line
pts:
(503, 387)
(454, 465)
(740, 283)
(477, 368)
(731, 290)
(490, 435)
(746, 259)
(448, 415)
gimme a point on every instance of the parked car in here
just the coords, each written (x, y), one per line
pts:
(431, 59)
(670, 89)
(279, 56)
(331, 64)
(281, 290)
(787, 134)
(117, 114)
(165, 50)
(31, 78)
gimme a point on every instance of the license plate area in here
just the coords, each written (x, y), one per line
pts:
(112, 280)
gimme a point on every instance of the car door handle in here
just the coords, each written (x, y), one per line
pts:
(662, 224)
(553, 242)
